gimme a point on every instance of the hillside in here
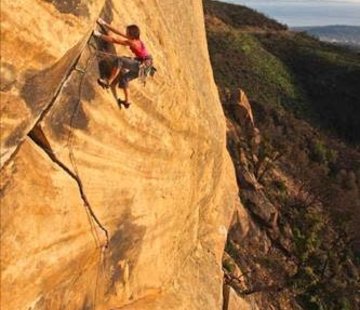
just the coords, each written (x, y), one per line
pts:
(101, 207)
(287, 68)
(299, 170)
(337, 34)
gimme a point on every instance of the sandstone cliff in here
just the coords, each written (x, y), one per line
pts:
(103, 208)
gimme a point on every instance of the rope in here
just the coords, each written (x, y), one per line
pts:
(90, 215)
(71, 137)
(96, 51)
(71, 151)
(105, 53)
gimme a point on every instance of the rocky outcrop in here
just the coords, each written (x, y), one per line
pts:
(103, 208)
(235, 302)
(253, 248)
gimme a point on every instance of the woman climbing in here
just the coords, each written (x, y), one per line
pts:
(129, 67)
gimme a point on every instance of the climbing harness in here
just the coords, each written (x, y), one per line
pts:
(146, 67)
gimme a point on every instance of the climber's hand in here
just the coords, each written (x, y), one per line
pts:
(101, 22)
(97, 33)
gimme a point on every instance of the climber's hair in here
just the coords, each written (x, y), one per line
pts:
(133, 31)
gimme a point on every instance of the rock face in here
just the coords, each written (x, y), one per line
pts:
(103, 208)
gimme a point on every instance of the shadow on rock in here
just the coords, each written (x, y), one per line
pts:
(69, 112)
(106, 52)
(124, 250)
(75, 7)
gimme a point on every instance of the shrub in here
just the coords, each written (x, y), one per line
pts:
(280, 185)
(228, 265)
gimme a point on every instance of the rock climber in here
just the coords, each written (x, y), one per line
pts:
(130, 68)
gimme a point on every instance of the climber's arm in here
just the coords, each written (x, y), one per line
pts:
(109, 27)
(117, 31)
(110, 39)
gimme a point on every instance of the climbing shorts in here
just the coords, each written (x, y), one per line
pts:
(129, 70)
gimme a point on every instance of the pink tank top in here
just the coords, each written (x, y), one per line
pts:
(140, 52)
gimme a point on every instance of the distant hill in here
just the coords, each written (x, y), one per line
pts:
(344, 35)
(277, 66)
(238, 16)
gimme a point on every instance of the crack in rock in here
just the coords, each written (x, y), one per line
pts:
(52, 100)
(37, 135)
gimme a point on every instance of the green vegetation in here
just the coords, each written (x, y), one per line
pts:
(316, 80)
(321, 154)
(305, 100)
(228, 265)
(324, 279)
(328, 76)
(231, 249)
(280, 186)
(239, 16)
(268, 78)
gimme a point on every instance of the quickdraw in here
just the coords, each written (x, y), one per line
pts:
(146, 69)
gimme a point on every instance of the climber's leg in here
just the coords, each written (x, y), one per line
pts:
(114, 74)
(106, 83)
(124, 84)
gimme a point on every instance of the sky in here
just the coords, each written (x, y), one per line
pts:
(308, 12)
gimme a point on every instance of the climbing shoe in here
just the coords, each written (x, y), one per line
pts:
(123, 102)
(103, 83)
